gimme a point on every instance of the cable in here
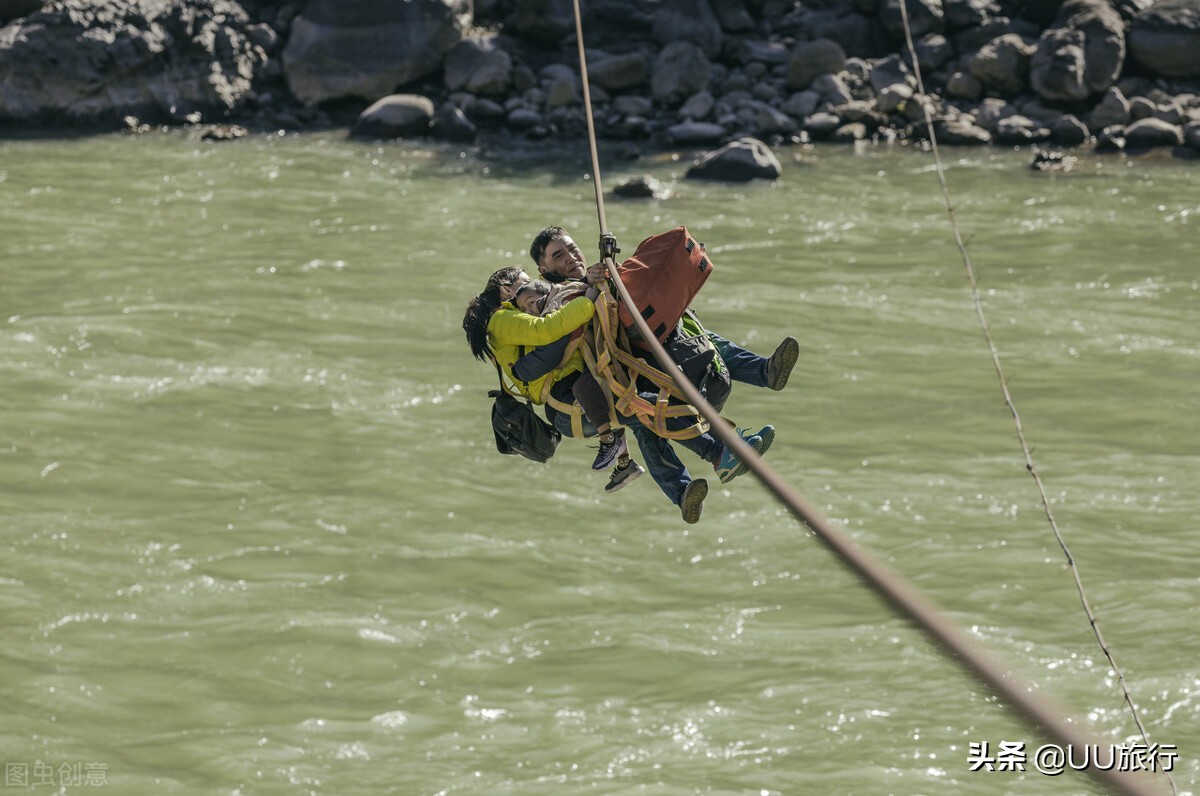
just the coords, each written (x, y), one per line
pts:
(1008, 399)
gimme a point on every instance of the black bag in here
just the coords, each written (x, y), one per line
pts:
(518, 428)
(691, 349)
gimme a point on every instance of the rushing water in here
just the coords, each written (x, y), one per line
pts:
(257, 539)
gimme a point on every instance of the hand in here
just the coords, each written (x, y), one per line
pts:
(596, 273)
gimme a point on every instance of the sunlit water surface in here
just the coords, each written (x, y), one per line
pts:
(257, 538)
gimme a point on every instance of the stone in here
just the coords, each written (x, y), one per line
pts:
(479, 66)
(1165, 38)
(680, 70)
(338, 50)
(1081, 56)
(810, 59)
(693, 133)
(698, 106)
(1150, 133)
(1003, 64)
(450, 123)
(619, 72)
(395, 116)
(738, 161)
(1112, 109)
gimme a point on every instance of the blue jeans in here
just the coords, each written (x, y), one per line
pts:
(744, 366)
(661, 460)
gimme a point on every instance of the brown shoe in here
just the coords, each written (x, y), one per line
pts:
(692, 502)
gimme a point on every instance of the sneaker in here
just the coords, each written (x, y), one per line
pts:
(780, 365)
(609, 451)
(692, 502)
(623, 474)
(729, 466)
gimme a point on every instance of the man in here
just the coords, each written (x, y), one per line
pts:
(560, 259)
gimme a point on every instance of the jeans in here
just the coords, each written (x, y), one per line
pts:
(744, 366)
(661, 460)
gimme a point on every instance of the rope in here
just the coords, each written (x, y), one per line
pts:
(1008, 399)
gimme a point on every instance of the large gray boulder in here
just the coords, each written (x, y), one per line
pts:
(809, 59)
(691, 21)
(617, 72)
(543, 21)
(82, 61)
(1165, 38)
(1082, 55)
(924, 16)
(395, 116)
(478, 65)
(1003, 63)
(680, 70)
(738, 161)
(366, 48)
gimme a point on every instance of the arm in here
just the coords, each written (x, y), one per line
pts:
(513, 327)
(541, 360)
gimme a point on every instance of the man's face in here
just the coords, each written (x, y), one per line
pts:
(508, 291)
(563, 258)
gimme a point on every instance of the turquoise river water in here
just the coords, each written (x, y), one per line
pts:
(257, 539)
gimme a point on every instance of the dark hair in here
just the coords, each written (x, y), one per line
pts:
(543, 239)
(481, 308)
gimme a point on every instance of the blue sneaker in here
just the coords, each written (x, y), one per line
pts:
(729, 466)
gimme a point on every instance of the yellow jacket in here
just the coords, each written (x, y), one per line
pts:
(512, 334)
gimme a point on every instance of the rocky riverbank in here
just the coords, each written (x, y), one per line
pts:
(1116, 75)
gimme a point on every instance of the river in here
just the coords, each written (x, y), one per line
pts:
(257, 538)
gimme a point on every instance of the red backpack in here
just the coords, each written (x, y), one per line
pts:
(663, 276)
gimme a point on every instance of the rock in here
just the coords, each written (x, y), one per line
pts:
(691, 21)
(1111, 139)
(694, 133)
(636, 105)
(970, 13)
(822, 124)
(933, 52)
(1112, 109)
(1150, 133)
(849, 133)
(223, 132)
(810, 59)
(924, 16)
(641, 187)
(1053, 161)
(1068, 131)
(541, 21)
(78, 61)
(733, 16)
(1191, 134)
(858, 35)
(772, 121)
(524, 119)
(801, 104)
(1003, 64)
(1081, 56)
(1020, 130)
(698, 106)
(478, 65)
(15, 9)
(365, 49)
(680, 70)
(892, 98)
(619, 72)
(890, 71)
(961, 132)
(395, 116)
(563, 91)
(963, 85)
(450, 123)
(738, 161)
(1165, 38)
(832, 90)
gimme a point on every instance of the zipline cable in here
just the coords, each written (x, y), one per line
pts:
(901, 595)
(1008, 399)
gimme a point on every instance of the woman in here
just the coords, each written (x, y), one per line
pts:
(495, 328)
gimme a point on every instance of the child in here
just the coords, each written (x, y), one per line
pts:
(539, 298)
